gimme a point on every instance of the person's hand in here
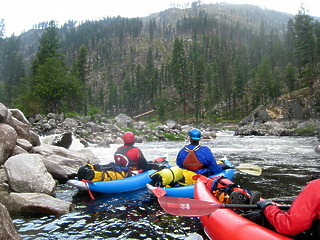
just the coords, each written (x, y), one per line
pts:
(264, 204)
(225, 166)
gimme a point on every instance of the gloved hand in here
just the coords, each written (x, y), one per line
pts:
(264, 204)
(225, 166)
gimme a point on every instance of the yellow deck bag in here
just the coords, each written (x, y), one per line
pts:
(166, 176)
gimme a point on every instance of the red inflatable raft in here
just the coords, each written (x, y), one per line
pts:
(225, 224)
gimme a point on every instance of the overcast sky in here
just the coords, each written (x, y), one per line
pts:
(21, 15)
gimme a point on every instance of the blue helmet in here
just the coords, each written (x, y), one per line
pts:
(195, 134)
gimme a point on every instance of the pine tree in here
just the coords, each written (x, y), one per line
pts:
(13, 71)
(179, 72)
(80, 71)
(305, 46)
(51, 85)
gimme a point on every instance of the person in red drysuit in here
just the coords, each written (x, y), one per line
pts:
(302, 219)
(130, 156)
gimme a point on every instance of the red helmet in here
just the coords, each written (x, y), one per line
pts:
(128, 137)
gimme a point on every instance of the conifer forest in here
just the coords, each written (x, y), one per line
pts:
(210, 62)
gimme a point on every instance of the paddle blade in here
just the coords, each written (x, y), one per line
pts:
(157, 191)
(186, 206)
(196, 208)
(250, 169)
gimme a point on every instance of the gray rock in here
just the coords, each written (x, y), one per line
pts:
(56, 170)
(35, 203)
(8, 139)
(18, 150)
(70, 124)
(22, 129)
(7, 228)
(24, 144)
(5, 114)
(27, 173)
(64, 140)
(16, 113)
(123, 120)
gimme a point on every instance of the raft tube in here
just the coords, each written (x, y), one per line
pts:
(225, 224)
(116, 186)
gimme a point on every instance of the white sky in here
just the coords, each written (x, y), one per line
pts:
(21, 15)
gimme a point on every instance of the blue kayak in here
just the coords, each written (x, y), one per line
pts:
(116, 186)
(188, 191)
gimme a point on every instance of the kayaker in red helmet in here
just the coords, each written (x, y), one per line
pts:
(303, 218)
(130, 156)
(198, 158)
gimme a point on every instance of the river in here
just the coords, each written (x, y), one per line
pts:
(287, 163)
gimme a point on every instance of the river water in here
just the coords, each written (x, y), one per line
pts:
(287, 163)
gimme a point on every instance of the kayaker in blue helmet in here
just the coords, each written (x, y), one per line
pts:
(198, 158)
(303, 218)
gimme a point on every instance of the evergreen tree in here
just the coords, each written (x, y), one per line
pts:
(199, 88)
(262, 83)
(290, 78)
(51, 85)
(12, 69)
(180, 73)
(113, 99)
(305, 47)
(80, 71)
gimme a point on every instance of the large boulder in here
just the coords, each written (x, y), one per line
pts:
(64, 140)
(70, 159)
(8, 139)
(123, 120)
(7, 228)
(5, 114)
(22, 129)
(34, 203)
(27, 173)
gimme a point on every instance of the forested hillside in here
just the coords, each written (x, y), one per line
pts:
(205, 63)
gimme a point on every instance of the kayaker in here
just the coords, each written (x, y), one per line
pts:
(303, 218)
(198, 158)
(130, 156)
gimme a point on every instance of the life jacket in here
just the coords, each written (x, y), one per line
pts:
(100, 172)
(192, 162)
(166, 177)
(121, 158)
(222, 188)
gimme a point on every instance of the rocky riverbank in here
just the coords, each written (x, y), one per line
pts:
(30, 169)
(295, 114)
(101, 131)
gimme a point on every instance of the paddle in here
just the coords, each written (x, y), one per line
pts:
(250, 169)
(196, 208)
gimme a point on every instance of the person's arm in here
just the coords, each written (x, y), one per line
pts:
(304, 209)
(143, 164)
(181, 157)
(207, 158)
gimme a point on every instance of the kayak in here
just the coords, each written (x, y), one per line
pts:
(188, 191)
(116, 186)
(225, 224)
